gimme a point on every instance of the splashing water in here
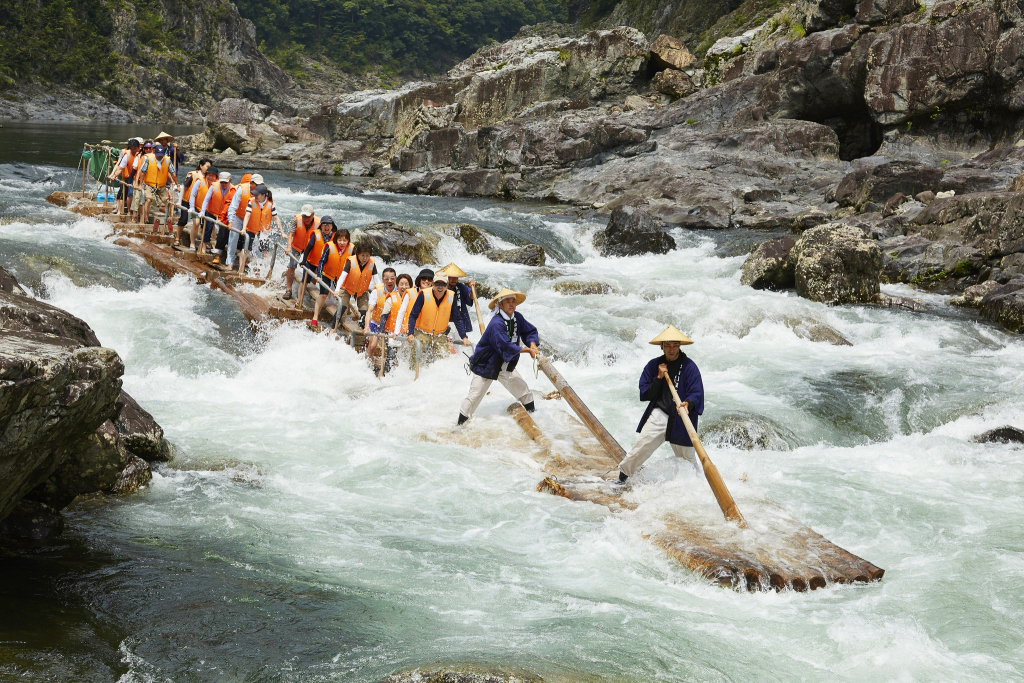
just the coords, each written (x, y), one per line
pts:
(319, 524)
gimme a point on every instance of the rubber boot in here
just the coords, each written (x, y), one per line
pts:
(529, 407)
(462, 419)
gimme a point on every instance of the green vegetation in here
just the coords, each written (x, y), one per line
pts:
(62, 40)
(401, 36)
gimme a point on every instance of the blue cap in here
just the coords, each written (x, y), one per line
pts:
(159, 150)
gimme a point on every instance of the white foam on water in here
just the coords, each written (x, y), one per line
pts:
(295, 463)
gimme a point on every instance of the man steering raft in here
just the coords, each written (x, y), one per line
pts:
(508, 335)
(660, 420)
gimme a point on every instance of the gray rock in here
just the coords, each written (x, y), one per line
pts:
(748, 431)
(461, 673)
(925, 197)
(901, 302)
(1005, 305)
(673, 83)
(973, 295)
(632, 231)
(473, 238)
(836, 264)
(140, 433)
(393, 242)
(94, 468)
(32, 521)
(880, 182)
(1004, 434)
(883, 11)
(769, 265)
(530, 255)
(578, 288)
(135, 475)
(237, 110)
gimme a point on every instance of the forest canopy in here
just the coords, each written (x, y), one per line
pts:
(403, 36)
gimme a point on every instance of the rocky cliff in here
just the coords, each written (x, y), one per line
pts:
(66, 427)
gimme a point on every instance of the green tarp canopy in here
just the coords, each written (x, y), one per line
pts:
(100, 160)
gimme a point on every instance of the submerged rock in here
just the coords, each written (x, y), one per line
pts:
(973, 295)
(133, 477)
(769, 265)
(836, 264)
(1004, 434)
(578, 288)
(32, 521)
(530, 255)
(749, 432)
(473, 238)
(461, 674)
(632, 231)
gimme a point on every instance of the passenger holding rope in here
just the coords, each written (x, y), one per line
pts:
(508, 335)
(431, 315)
(359, 275)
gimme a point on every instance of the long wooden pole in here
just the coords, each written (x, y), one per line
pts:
(603, 436)
(718, 487)
(479, 316)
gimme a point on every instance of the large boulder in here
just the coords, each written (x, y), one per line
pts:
(1004, 434)
(673, 83)
(139, 432)
(883, 11)
(632, 231)
(95, 468)
(836, 264)
(244, 139)
(530, 255)
(877, 183)
(670, 53)
(1005, 305)
(393, 242)
(237, 110)
(748, 432)
(769, 265)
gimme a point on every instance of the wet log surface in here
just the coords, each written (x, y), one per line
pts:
(775, 553)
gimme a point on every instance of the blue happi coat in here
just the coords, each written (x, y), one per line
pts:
(495, 348)
(689, 387)
(463, 300)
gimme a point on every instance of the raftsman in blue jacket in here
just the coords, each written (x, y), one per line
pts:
(689, 387)
(495, 348)
(460, 308)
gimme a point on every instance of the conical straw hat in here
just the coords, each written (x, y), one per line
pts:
(454, 271)
(164, 135)
(671, 334)
(506, 292)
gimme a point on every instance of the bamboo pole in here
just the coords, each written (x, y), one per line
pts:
(479, 316)
(722, 495)
(593, 424)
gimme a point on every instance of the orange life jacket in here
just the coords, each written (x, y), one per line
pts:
(357, 282)
(129, 165)
(204, 187)
(157, 171)
(434, 318)
(228, 196)
(319, 244)
(260, 218)
(243, 187)
(218, 197)
(302, 233)
(332, 269)
(383, 296)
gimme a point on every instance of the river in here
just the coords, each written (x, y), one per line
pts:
(318, 524)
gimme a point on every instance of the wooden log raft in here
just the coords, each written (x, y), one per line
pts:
(775, 553)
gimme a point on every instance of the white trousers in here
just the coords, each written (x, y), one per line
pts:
(512, 381)
(236, 223)
(652, 436)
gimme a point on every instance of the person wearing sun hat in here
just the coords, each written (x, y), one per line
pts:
(508, 335)
(661, 422)
(463, 295)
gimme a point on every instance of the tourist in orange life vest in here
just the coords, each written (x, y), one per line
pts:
(357, 278)
(328, 271)
(236, 212)
(191, 177)
(212, 208)
(315, 247)
(507, 337)
(390, 319)
(424, 281)
(157, 173)
(379, 296)
(196, 200)
(431, 314)
(305, 223)
(259, 218)
(124, 171)
(139, 195)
